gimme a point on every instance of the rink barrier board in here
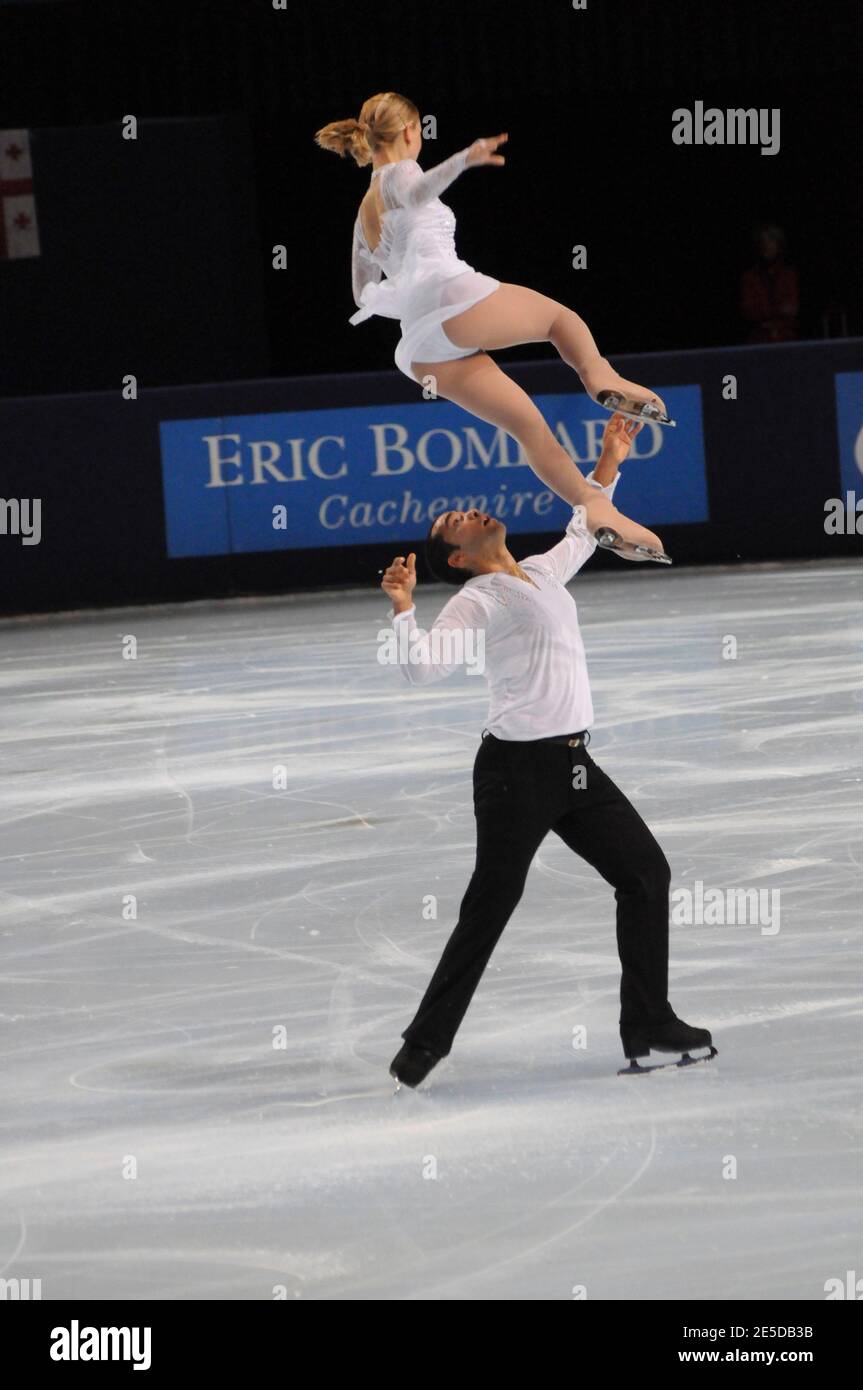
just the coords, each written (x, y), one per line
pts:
(752, 475)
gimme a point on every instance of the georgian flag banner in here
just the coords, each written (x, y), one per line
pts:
(19, 232)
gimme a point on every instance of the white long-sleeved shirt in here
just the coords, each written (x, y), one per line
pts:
(417, 235)
(534, 655)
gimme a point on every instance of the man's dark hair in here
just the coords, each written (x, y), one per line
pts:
(438, 552)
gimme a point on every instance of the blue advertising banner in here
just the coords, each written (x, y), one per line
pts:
(849, 419)
(353, 476)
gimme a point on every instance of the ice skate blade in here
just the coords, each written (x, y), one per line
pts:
(633, 409)
(636, 1069)
(609, 539)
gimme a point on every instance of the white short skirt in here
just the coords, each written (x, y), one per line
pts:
(428, 307)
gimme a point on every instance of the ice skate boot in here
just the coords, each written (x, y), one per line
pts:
(613, 392)
(649, 411)
(412, 1064)
(609, 539)
(673, 1036)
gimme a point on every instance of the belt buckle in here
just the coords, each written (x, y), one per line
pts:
(574, 743)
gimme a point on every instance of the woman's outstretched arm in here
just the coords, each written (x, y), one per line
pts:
(405, 185)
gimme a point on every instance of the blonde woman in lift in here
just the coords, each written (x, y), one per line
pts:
(452, 316)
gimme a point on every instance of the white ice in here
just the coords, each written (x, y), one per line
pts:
(155, 1142)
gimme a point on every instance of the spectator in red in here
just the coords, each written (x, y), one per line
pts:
(769, 298)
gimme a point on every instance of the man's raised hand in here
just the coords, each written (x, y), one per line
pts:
(399, 581)
(618, 436)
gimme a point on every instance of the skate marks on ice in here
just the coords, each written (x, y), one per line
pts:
(302, 908)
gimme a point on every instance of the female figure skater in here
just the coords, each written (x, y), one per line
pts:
(451, 314)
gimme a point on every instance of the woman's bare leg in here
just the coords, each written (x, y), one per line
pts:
(480, 386)
(515, 314)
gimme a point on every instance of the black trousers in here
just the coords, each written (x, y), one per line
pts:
(521, 791)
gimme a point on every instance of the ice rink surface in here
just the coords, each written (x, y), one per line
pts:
(195, 1098)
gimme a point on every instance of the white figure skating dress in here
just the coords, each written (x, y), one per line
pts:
(426, 281)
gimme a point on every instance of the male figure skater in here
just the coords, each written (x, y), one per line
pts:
(532, 771)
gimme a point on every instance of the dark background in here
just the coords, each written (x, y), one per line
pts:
(157, 255)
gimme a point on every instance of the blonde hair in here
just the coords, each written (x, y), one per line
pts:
(382, 119)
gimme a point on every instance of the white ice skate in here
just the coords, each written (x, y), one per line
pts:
(647, 411)
(609, 539)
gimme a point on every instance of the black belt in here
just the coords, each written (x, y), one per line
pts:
(571, 740)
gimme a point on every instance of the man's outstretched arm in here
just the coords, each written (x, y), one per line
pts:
(567, 557)
(450, 642)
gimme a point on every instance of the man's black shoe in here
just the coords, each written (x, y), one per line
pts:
(412, 1064)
